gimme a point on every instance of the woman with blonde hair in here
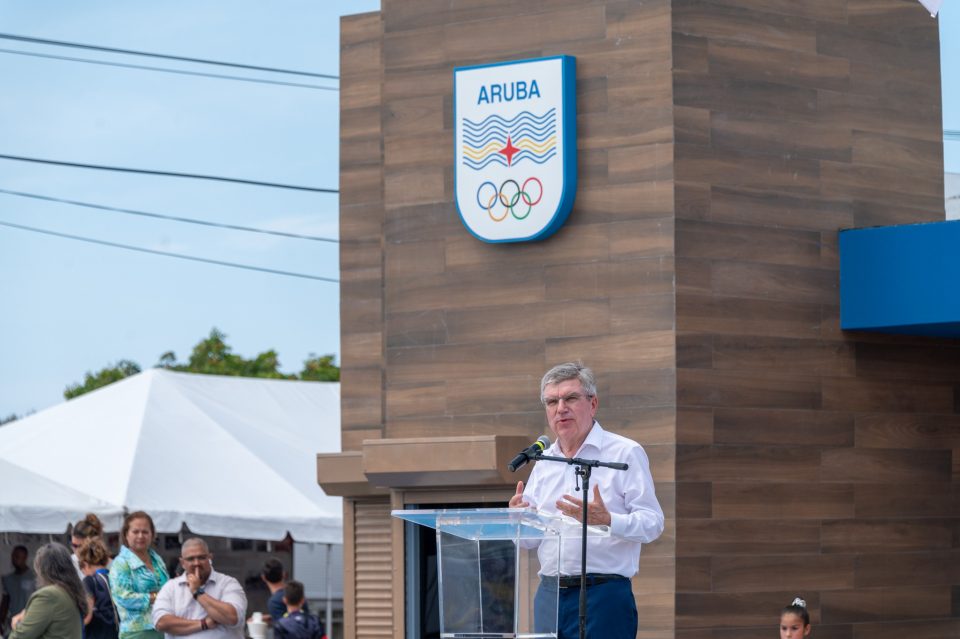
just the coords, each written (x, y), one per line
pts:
(57, 609)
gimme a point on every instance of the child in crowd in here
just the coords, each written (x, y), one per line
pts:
(795, 620)
(296, 624)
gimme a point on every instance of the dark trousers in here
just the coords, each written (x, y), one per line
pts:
(611, 610)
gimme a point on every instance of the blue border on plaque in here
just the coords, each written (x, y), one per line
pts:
(568, 126)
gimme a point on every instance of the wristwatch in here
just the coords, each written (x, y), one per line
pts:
(199, 591)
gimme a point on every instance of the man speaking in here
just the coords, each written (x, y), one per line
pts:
(623, 500)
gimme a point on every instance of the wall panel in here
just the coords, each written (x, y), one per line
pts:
(812, 462)
(722, 144)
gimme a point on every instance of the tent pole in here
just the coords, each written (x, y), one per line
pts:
(329, 612)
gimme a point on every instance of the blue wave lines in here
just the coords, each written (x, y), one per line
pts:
(497, 158)
(533, 137)
(523, 116)
(501, 136)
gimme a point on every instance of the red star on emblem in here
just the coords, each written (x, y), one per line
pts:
(508, 151)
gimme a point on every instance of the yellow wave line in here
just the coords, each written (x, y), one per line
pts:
(530, 145)
(487, 149)
(494, 147)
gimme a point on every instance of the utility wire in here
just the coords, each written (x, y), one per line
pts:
(92, 47)
(140, 249)
(174, 218)
(951, 135)
(122, 169)
(166, 70)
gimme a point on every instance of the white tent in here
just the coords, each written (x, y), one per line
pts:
(228, 456)
(33, 503)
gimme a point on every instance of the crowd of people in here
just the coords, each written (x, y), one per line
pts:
(88, 594)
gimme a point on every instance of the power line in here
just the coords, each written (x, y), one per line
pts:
(193, 258)
(174, 218)
(122, 169)
(92, 47)
(951, 135)
(166, 70)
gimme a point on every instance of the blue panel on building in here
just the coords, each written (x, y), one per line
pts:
(901, 279)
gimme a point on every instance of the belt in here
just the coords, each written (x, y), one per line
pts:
(593, 579)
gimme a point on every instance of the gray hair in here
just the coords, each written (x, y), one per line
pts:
(570, 370)
(54, 567)
(195, 541)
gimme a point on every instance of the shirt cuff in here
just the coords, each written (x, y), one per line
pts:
(618, 523)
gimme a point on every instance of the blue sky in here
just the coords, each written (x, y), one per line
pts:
(68, 307)
(949, 18)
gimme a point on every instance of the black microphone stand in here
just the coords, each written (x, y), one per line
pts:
(584, 469)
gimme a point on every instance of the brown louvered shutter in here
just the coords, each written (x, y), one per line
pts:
(373, 561)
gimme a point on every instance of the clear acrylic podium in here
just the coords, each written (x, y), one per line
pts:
(488, 565)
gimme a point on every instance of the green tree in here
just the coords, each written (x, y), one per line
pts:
(107, 375)
(12, 417)
(213, 356)
(320, 369)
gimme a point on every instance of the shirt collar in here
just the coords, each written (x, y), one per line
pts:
(594, 439)
(132, 559)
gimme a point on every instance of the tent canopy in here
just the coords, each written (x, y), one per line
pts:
(228, 456)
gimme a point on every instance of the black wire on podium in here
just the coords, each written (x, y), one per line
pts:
(584, 469)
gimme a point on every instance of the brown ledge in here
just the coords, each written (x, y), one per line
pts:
(341, 475)
(430, 462)
(439, 462)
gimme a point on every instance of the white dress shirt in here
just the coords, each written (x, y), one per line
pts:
(176, 599)
(629, 495)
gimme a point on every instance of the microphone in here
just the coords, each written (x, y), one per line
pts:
(526, 455)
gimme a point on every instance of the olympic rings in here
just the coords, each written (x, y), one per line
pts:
(510, 195)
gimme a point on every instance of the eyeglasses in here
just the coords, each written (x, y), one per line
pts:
(570, 400)
(196, 559)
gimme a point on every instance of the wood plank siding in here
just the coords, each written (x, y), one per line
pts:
(802, 465)
(722, 144)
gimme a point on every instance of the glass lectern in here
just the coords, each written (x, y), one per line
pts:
(488, 565)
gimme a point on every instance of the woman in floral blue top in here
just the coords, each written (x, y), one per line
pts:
(136, 576)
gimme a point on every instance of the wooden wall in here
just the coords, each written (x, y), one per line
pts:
(722, 144)
(445, 335)
(810, 461)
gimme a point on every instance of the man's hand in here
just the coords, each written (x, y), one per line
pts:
(193, 579)
(517, 501)
(597, 513)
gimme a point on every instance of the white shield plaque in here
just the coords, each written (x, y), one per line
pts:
(515, 147)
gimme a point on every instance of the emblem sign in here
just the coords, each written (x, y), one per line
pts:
(515, 147)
